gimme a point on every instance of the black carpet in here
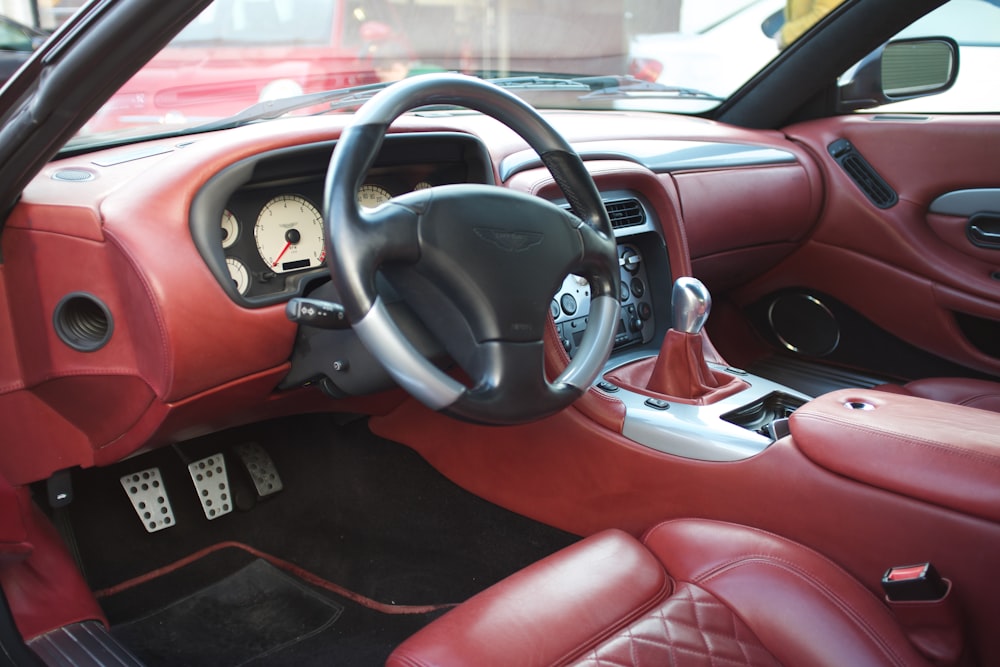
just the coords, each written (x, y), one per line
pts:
(252, 614)
(364, 513)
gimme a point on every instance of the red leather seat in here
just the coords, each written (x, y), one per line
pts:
(982, 394)
(693, 592)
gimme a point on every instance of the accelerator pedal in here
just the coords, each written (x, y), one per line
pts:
(212, 483)
(149, 498)
(260, 466)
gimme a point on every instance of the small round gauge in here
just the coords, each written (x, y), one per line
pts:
(289, 234)
(422, 185)
(238, 272)
(230, 228)
(372, 196)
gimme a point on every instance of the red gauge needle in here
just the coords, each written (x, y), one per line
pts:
(281, 254)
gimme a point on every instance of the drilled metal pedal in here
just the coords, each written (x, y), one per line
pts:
(212, 483)
(259, 464)
(148, 495)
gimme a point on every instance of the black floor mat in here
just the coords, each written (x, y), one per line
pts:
(250, 615)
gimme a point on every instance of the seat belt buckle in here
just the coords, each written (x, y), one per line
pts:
(914, 583)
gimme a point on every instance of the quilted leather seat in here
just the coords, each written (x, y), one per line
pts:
(693, 592)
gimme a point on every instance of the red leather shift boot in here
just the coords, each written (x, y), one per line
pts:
(678, 374)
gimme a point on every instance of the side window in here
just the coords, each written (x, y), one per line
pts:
(975, 25)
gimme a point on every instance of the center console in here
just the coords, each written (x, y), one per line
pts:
(675, 401)
(735, 427)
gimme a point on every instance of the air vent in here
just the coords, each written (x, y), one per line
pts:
(625, 213)
(864, 175)
(83, 322)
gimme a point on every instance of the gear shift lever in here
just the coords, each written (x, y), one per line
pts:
(691, 304)
(680, 373)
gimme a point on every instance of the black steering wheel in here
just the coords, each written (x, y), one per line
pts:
(478, 263)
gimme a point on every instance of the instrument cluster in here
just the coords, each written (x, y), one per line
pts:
(274, 232)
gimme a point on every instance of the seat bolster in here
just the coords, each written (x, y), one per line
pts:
(982, 394)
(548, 612)
(803, 608)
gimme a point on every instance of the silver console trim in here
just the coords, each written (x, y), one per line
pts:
(695, 431)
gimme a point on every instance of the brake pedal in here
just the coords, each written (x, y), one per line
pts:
(260, 466)
(149, 498)
(212, 483)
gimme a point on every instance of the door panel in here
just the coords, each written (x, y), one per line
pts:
(910, 268)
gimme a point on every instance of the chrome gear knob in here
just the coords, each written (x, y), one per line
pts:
(691, 303)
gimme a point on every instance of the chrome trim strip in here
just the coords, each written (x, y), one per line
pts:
(695, 432)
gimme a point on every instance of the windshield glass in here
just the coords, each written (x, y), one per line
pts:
(669, 55)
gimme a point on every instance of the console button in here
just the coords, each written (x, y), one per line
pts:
(568, 303)
(638, 288)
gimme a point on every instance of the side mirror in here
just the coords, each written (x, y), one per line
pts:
(772, 24)
(900, 70)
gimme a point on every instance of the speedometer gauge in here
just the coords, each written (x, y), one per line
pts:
(289, 234)
(372, 196)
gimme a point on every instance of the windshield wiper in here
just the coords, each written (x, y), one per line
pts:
(629, 86)
(341, 98)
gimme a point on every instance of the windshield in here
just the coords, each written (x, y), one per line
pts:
(690, 54)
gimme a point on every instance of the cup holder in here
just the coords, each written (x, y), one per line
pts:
(761, 414)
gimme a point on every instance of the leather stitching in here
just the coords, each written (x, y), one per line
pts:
(849, 611)
(691, 628)
(908, 439)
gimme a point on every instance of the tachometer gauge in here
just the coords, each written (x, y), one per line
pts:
(238, 272)
(372, 196)
(230, 228)
(422, 185)
(289, 234)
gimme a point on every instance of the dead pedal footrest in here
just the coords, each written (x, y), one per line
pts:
(212, 483)
(260, 466)
(149, 498)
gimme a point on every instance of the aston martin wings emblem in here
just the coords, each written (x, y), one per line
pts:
(509, 241)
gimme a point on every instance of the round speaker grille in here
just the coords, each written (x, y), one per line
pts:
(803, 324)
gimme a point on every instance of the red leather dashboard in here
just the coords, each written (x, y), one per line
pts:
(184, 359)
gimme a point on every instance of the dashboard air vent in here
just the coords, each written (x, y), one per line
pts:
(863, 174)
(625, 213)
